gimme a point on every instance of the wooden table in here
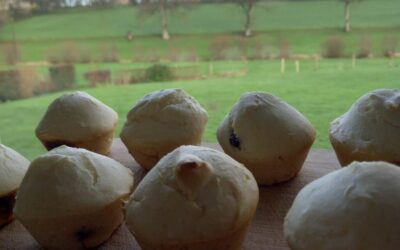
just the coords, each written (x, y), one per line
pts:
(266, 228)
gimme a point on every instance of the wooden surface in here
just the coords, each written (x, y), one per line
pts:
(265, 231)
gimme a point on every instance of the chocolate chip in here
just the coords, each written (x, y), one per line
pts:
(83, 234)
(234, 140)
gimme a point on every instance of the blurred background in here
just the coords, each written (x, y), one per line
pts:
(318, 55)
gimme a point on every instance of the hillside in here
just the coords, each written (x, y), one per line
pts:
(207, 18)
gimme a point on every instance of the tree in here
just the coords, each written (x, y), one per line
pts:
(347, 26)
(151, 7)
(45, 6)
(247, 7)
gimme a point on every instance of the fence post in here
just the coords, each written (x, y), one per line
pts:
(297, 64)
(210, 69)
(353, 61)
(282, 65)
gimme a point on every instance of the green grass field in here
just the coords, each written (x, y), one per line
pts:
(321, 90)
(208, 18)
(304, 24)
(300, 42)
(321, 94)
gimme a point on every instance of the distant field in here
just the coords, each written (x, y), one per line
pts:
(299, 42)
(208, 18)
(321, 93)
(305, 25)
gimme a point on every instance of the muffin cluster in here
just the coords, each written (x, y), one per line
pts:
(193, 197)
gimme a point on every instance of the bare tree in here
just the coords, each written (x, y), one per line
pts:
(347, 16)
(248, 9)
(247, 6)
(151, 7)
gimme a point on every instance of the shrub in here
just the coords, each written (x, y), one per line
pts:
(364, 47)
(333, 47)
(130, 76)
(62, 76)
(389, 45)
(17, 83)
(283, 48)
(9, 85)
(28, 81)
(68, 53)
(159, 73)
(234, 53)
(218, 47)
(260, 51)
(44, 86)
(11, 53)
(187, 73)
(98, 77)
(109, 53)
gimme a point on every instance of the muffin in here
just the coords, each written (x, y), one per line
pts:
(72, 198)
(78, 120)
(160, 122)
(268, 136)
(194, 198)
(13, 167)
(370, 130)
(352, 208)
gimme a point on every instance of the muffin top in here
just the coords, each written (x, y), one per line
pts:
(261, 126)
(13, 167)
(164, 116)
(192, 193)
(356, 207)
(80, 180)
(372, 123)
(76, 116)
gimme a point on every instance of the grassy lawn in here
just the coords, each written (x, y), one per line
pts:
(207, 18)
(304, 25)
(321, 94)
(322, 91)
(300, 42)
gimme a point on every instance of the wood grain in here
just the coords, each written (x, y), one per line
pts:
(266, 228)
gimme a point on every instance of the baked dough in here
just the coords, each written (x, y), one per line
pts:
(370, 130)
(160, 122)
(268, 136)
(13, 167)
(352, 208)
(194, 198)
(78, 120)
(72, 198)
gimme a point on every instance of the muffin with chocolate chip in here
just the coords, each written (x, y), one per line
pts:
(267, 135)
